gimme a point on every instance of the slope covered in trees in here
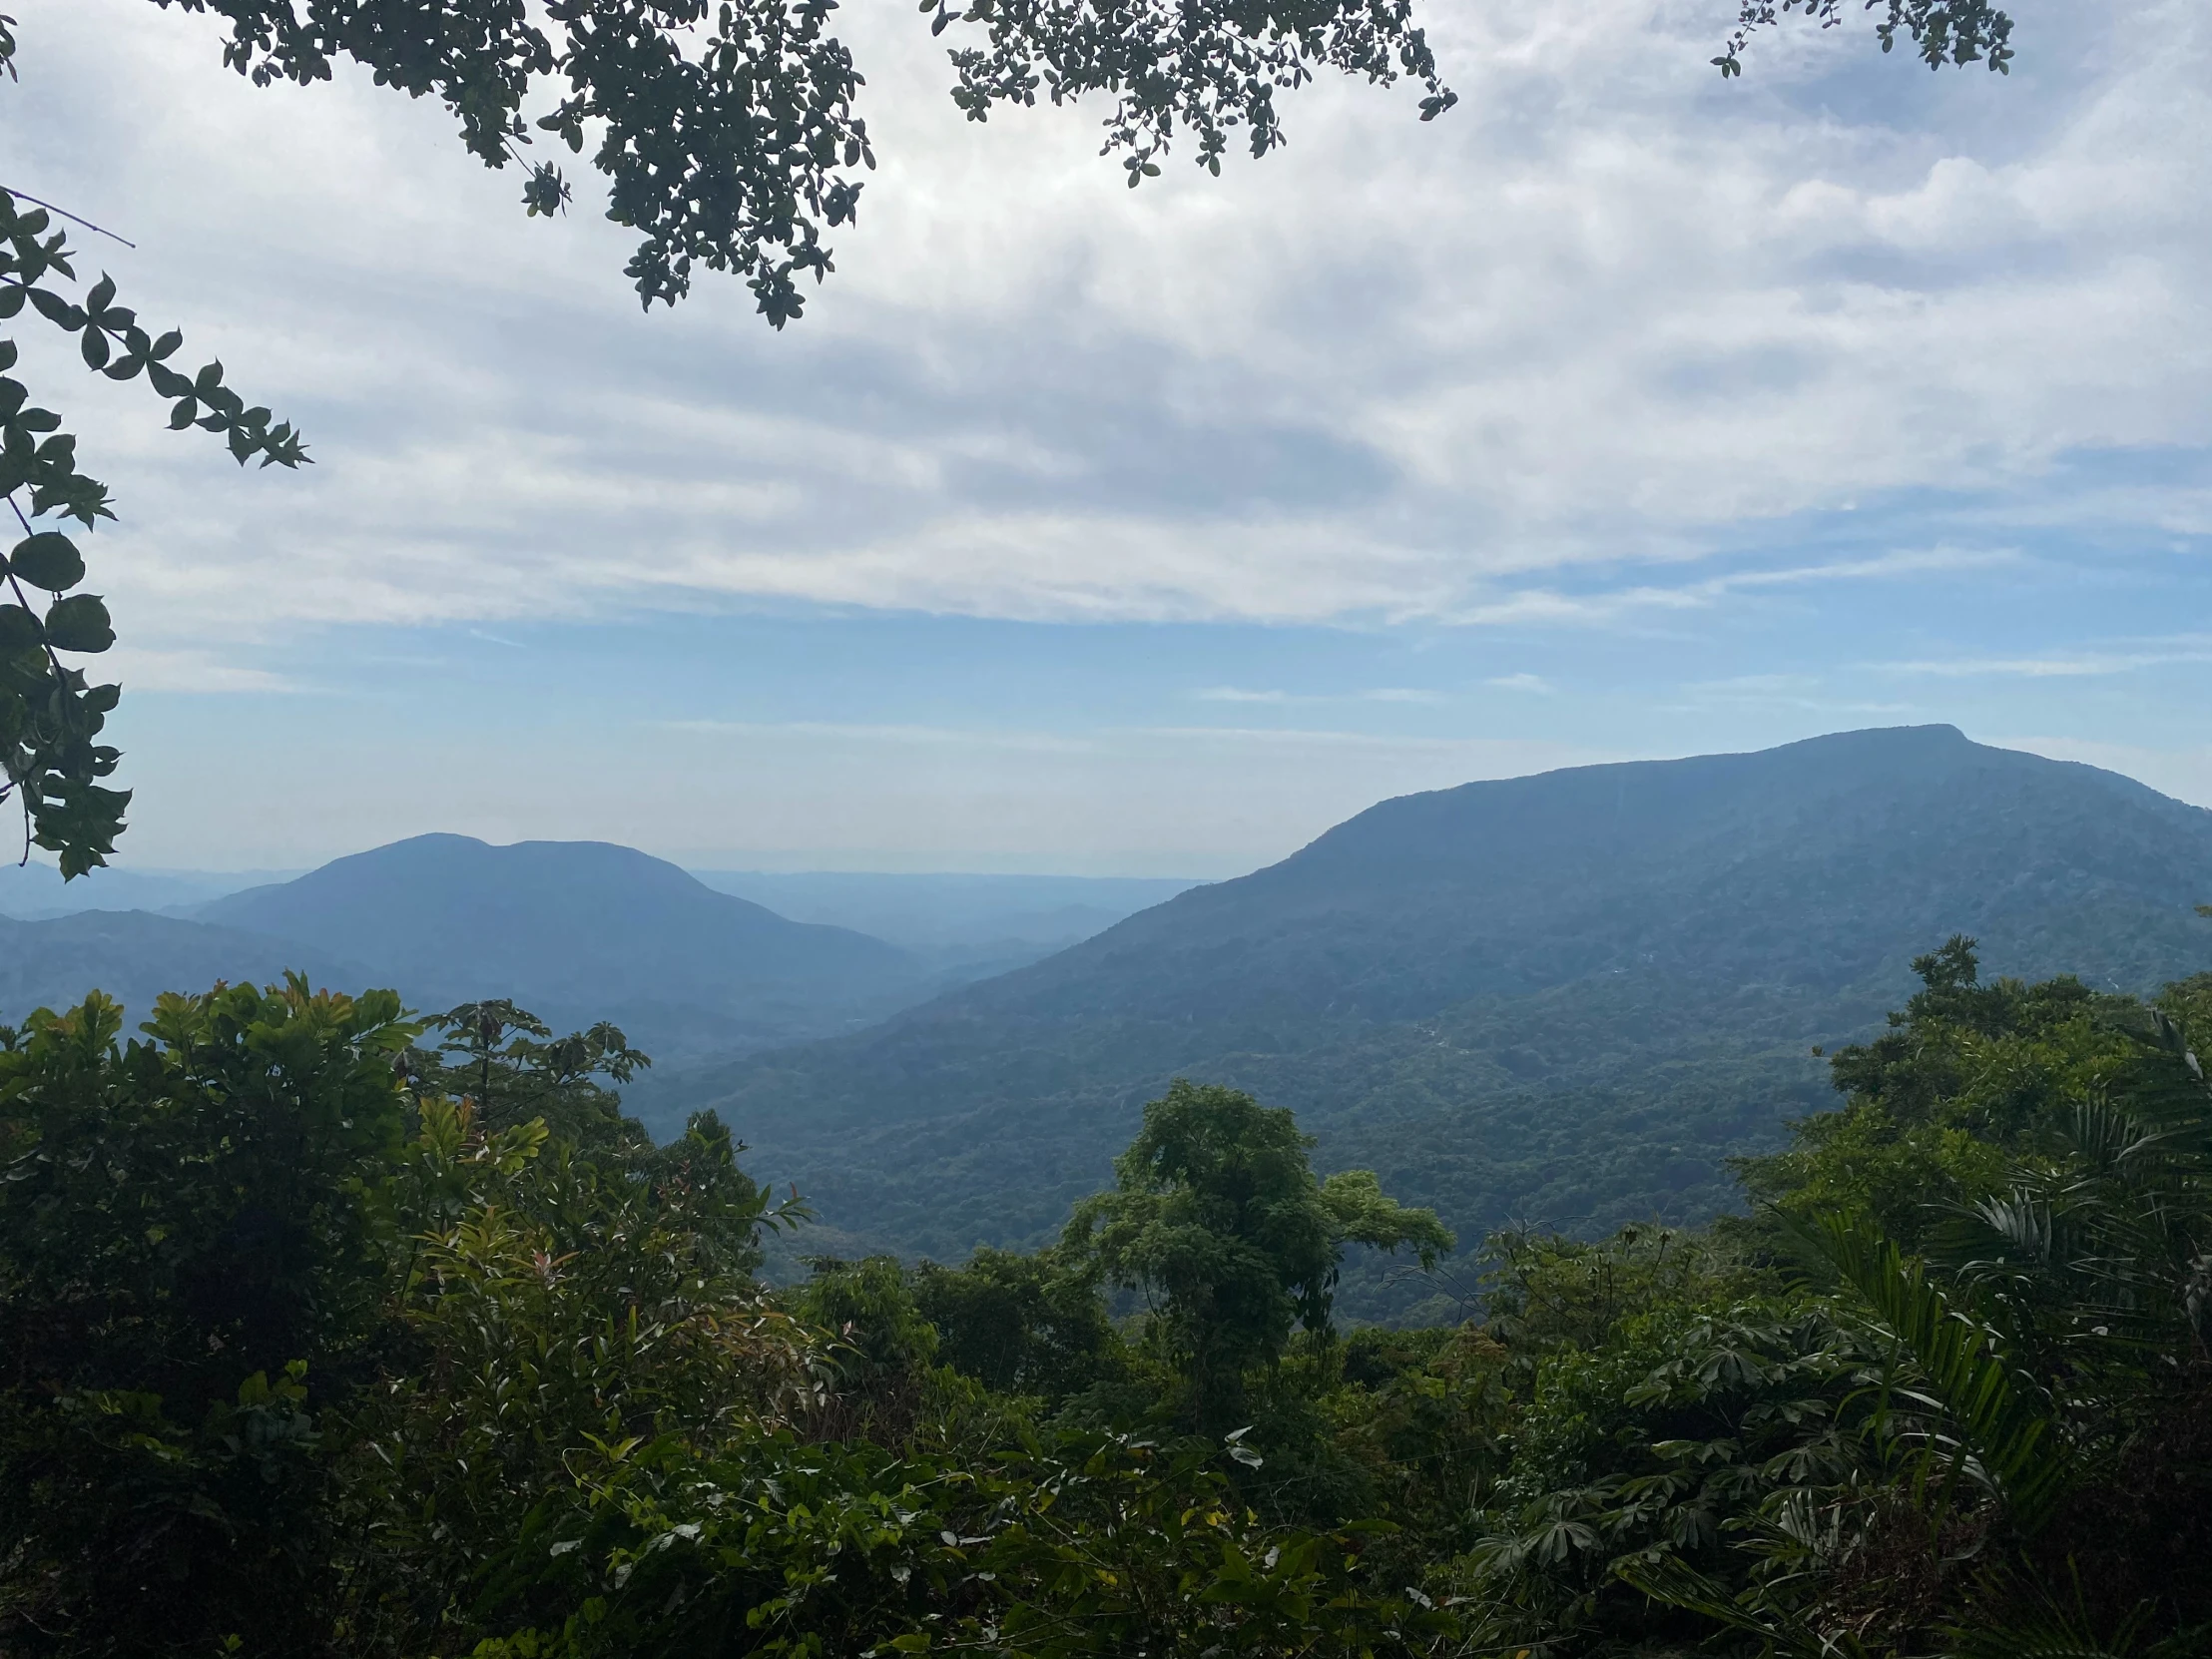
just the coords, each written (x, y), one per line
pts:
(1565, 998)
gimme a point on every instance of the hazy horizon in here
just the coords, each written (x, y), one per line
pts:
(1093, 866)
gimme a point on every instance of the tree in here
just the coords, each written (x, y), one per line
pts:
(1967, 1074)
(1028, 1325)
(288, 1335)
(188, 1283)
(554, 1309)
(508, 1062)
(1216, 1216)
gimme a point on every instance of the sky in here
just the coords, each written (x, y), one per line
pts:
(1622, 412)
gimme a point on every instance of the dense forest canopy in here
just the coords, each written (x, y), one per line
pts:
(335, 1331)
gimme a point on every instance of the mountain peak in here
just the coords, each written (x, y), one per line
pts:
(1567, 996)
(575, 930)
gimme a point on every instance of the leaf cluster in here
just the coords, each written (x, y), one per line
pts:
(50, 712)
(187, 1279)
(1957, 32)
(1981, 1430)
(1207, 69)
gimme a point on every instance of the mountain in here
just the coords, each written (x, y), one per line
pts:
(578, 932)
(966, 926)
(1565, 998)
(134, 957)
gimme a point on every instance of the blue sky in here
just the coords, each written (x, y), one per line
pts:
(1620, 413)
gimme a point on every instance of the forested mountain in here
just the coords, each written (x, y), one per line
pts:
(576, 932)
(580, 931)
(1565, 998)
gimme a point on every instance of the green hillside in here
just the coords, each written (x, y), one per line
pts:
(1565, 998)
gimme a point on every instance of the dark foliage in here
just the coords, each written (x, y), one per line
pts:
(1020, 1325)
(335, 1334)
(188, 1275)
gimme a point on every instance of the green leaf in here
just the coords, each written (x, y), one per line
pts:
(78, 623)
(19, 629)
(48, 560)
(57, 310)
(1967, 1368)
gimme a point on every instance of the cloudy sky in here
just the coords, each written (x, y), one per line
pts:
(1621, 412)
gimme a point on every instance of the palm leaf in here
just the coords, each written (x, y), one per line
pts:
(1667, 1578)
(2015, 1446)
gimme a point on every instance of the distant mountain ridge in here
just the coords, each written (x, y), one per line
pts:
(31, 891)
(578, 932)
(134, 956)
(575, 930)
(1569, 994)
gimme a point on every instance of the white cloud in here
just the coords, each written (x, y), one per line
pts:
(1521, 682)
(140, 669)
(2044, 668)
(851, 732)
(1602, 317)
(1376, 694)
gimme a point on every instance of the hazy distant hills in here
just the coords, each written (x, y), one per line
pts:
(968, 924)
(135, 956)
(29, 892)
(577, 931)
(1564, 997)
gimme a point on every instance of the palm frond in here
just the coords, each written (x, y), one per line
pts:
(1999, 1431)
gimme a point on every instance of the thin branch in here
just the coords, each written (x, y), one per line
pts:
(25, 196)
